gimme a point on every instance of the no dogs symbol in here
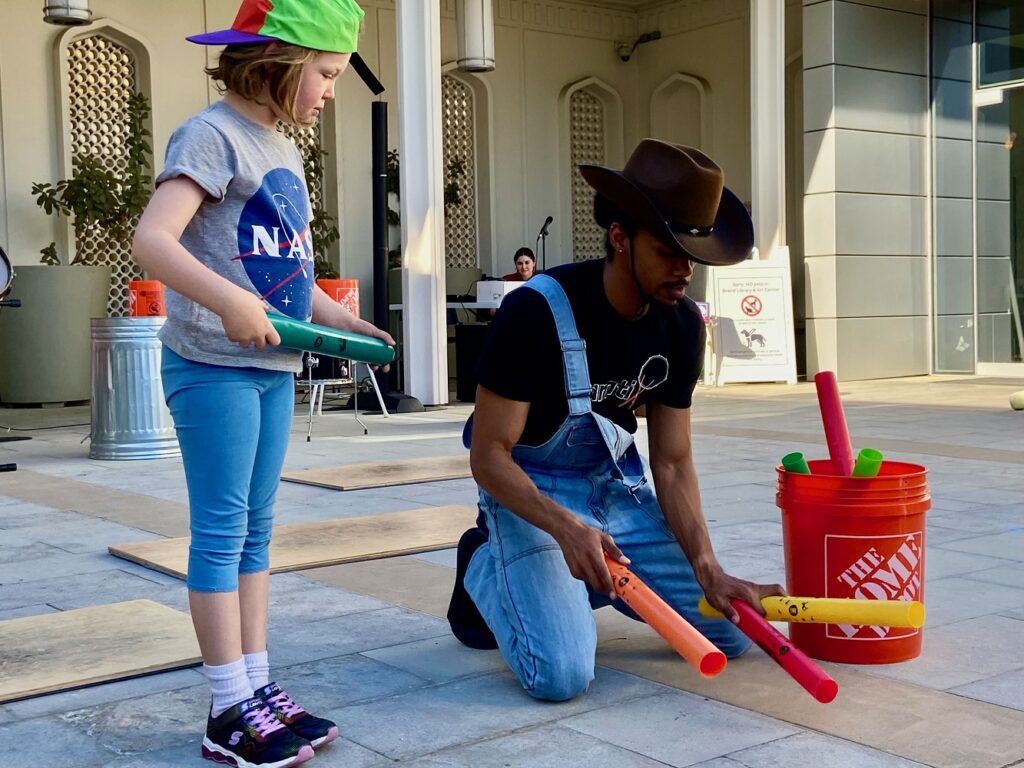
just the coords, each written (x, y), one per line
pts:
(751, 306)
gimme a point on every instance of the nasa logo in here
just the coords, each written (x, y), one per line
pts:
(275, 245)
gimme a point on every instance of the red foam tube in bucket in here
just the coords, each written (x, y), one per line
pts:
(836, 434)
(811, 677)
(659, 615)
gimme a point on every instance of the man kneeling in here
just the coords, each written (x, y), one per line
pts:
(569, 358)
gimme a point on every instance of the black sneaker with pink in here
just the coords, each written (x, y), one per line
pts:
(316, 730)
(249, 735)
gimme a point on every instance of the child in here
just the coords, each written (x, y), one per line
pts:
(228, 232)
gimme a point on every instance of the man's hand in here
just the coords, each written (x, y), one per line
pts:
(583, 548)
(720, 588)
(245, 321)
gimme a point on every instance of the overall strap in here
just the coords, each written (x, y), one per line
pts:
(574, 349)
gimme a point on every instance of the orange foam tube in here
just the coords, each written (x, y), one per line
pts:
(798, 664)
(659, 615)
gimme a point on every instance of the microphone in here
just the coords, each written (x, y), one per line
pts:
(544, 230)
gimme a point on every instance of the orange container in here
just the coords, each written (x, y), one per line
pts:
(855, 537)
(892, 475)
(342, 290)
(146, 298)
(854, 498)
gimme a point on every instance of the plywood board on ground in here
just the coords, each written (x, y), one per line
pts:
(300, 546)
(380, 474)
(86, 646)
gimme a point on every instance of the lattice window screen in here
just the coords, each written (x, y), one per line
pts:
(308, 140)
(587, 142)
(459, 128)
(101, 78)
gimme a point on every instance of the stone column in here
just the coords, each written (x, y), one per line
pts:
(424, 331)
(768, 123)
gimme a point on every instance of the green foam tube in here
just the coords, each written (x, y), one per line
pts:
(869, 461)
(319, 339)
(795, 462)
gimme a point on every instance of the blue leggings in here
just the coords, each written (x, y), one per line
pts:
(232, 425)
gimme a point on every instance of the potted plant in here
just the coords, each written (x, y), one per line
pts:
(45, 345)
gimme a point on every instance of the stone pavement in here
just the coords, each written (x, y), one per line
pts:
(366, 643)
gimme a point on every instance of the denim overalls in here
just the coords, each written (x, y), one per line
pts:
(540, 615)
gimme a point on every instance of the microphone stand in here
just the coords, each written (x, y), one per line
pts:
(541, 246)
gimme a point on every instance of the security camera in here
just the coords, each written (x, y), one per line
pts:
(625, 50)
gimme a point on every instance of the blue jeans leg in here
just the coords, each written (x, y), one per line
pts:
(232, 425)
(636, 523)
(540, 615)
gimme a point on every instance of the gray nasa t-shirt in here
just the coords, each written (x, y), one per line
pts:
(252, 228)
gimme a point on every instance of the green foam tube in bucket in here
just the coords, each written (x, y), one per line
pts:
(869, 461)
(795, 462)
(319, 339)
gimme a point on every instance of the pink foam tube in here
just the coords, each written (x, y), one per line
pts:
(796, 663)
(836, 435)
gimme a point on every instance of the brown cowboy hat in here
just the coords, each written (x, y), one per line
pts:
(678, 194)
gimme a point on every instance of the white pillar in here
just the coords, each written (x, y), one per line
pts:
(768, 123)
(425, 334)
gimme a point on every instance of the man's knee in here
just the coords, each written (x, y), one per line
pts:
(561, 682)
(733, 644)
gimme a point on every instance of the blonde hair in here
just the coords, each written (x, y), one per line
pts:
(245, 69)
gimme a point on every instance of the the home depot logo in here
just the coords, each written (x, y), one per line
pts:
(873, 568)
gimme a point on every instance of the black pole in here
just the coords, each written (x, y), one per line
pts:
(395, 401)
(379, 130)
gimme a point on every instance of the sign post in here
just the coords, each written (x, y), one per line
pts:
(752, 319)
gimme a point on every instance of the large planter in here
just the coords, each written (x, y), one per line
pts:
(45, 345)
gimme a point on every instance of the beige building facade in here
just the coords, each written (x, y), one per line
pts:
(853, 164)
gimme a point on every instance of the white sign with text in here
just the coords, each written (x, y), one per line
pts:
(752, 321)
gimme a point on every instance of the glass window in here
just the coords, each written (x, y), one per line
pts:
(1000, 32)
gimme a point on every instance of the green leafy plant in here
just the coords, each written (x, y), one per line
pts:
(323, 227)
(452, 188)
(100, 200)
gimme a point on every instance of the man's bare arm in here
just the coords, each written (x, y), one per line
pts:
(675, 480)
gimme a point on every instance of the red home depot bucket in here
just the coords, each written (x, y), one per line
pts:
(342, 290)
(855, 537)
(146, 298)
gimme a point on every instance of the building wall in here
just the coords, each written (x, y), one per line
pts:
(30, 138)
(542, 48)
(866, 231)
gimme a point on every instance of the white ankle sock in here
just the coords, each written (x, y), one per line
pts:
(257, 665)
(229, 684)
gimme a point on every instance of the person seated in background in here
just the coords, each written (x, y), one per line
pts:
(526, 266)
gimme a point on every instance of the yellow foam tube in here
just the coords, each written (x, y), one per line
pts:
(831, 610)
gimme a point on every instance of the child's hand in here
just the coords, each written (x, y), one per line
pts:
(245, 322)
(377, 333)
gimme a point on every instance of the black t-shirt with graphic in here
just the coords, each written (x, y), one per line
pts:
(657, 357)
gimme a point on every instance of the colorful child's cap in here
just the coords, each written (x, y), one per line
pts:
(323, 25)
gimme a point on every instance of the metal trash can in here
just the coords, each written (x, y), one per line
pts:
(129, 417)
